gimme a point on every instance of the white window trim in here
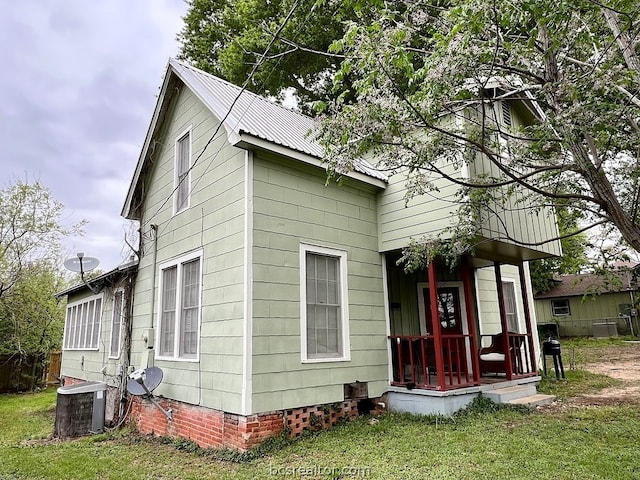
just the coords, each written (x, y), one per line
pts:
(344, 303)
(187, 131)
(568, 314)
(118, 291)
(176, 262)
(422, 314)
(517, 300)
(66, 323)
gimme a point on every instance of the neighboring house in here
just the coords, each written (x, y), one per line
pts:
(272, 299)
(578, 302)
(97, 339)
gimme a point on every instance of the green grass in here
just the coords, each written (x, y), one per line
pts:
(577, 382)
(485, 442)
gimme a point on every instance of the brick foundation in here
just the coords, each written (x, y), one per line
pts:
(211, 428)
(205, 426)
(319, 417)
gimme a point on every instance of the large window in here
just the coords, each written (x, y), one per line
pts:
(324, 304)
(510, 305)
(82, 324)
(116, 324)
(182, 166)
(179, 315)
(560, 307)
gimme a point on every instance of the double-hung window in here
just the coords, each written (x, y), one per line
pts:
(116, 324)
(182, 178)
(510, 305)
(82, 324)
(324, 304)
(179, 312)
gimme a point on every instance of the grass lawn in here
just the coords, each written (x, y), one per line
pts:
(485, 442)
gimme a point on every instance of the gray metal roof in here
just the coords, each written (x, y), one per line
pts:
(257, 116)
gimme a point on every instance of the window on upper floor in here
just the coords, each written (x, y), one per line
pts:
(560, 307)
(179, 312)
(510, 305)
(116, 324)
(506, 112)
(324, 304)
(82, 324)
(182, 178)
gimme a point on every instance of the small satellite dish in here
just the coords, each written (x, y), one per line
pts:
(143, 381)
(81, 263)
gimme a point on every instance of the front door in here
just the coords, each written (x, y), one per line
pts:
(451, 310)
(452, 322)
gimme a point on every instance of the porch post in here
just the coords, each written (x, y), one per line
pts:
(527, 315)
(503, 321)
(471, 320)
(435, 324)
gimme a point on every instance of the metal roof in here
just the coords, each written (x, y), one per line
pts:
(257, 116)
(101, 280)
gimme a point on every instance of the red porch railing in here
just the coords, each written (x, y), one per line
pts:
(414, 362)
(508, 355)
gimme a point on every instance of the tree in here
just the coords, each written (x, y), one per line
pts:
(31, 228)
(574, 253)
(432, 76)
(228, 37)
(31, 319)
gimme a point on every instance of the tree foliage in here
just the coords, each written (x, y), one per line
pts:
(228, 37)
(31, 318)
(574, 253)
(31, 228)
(430, 78)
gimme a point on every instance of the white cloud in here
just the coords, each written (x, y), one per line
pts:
(79, 85)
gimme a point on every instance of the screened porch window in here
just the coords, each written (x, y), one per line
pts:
(180, 309)
(82, 324)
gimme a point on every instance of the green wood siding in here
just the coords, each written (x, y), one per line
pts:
(292, 205)
(585, 311)
(424, 215)
(214, 222)
(429, 214)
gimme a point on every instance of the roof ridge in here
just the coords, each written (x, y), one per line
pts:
(238, 88)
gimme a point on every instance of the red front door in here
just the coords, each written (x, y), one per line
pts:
(448, 308)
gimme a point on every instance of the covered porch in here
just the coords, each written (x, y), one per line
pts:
(459, 331)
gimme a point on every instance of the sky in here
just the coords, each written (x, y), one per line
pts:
(78, 86)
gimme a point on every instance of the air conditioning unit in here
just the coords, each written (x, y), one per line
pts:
(80, 409)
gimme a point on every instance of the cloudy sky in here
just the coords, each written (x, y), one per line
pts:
(79, 83)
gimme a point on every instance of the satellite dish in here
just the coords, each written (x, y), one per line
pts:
(81, 263)
(143, 381)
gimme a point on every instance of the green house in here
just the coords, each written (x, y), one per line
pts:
(271, 298)
(590, 305)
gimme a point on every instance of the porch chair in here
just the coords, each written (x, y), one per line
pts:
(493, 358)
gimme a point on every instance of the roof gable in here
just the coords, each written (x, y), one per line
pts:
(249, 120)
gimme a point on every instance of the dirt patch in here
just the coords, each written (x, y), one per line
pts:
(619, 362)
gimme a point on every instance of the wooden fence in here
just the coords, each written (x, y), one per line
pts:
(24, 372)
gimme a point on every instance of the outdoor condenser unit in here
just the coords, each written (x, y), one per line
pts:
(80, 409)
